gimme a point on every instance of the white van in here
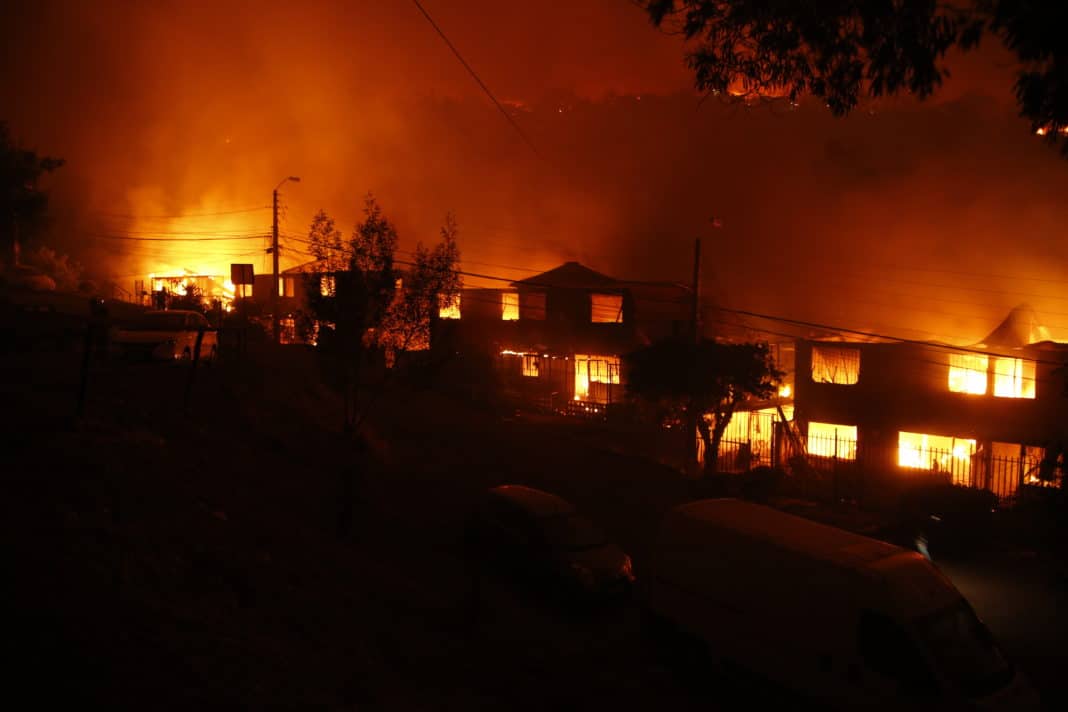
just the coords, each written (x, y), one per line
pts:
(846, 621)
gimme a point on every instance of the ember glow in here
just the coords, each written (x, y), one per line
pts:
(593, 373)
(968, 373)
(934, 452)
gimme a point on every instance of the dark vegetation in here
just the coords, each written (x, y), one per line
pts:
(844, 50)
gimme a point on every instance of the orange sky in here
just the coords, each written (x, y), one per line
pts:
(912, 218)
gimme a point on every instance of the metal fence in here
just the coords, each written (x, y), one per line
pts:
(848, 468)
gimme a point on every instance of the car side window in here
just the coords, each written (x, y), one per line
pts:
(887, 650)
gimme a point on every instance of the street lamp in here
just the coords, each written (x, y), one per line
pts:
(276, 286)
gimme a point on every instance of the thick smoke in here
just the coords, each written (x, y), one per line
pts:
(917, 219)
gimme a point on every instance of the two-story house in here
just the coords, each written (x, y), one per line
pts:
(982, 416)
(557, 339)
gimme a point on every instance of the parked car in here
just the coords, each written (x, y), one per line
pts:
(540, 537)
(944, 520)
(168, 335)
(845, 621)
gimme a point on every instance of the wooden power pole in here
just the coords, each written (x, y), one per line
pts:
(275, 322)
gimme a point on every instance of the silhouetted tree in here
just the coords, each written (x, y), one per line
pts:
(839, 50)
(353, 294)
(432, 279)
(327, 245)
(65, 272)
(22, 203)
(354, 290)
(710, 377)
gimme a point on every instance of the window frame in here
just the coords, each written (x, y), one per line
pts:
(830, 367)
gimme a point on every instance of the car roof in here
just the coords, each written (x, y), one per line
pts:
(535, 501)
(785, 531)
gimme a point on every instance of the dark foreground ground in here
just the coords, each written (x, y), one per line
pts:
(165, 556)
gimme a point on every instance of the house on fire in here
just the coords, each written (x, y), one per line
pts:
(991, 415)
(557, 338)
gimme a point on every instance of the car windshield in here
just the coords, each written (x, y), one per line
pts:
(570, 532)
(161, 321)
(964, 650)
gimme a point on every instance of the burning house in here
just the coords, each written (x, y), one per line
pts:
(158, 291)
(990, 415)
(557, 338)
(759, 432)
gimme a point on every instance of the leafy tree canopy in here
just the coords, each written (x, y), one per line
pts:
(21, 200)
(432, 279)
(840, 50)
(710, 377)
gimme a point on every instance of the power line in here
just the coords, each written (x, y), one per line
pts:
(742, 312)
(486, 89)
(220, 233)
(134, 238)
(186, 215)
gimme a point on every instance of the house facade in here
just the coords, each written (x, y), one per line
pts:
(991, 415)
(557, 339)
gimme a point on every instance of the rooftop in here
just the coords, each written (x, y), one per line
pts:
(570, 275)
(787, 531)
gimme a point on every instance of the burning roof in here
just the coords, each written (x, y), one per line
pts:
(1020, 328)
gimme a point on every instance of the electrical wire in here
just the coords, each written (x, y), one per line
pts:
(133, 238)
(471, 71)
(185, 215)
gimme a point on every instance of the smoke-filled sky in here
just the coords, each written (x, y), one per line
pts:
(910, 218)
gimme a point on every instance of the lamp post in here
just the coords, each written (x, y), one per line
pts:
(275, 285)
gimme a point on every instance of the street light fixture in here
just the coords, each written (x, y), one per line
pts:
(276, 285)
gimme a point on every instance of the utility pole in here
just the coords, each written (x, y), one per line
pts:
(274, 259)
(695, 336)
(275, 316)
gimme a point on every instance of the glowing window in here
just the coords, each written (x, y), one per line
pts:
(510, 306)
(326, 285)
(967, 373)
(594, 369)
(1014, 378)
(832, 440)
(834, 364)
(606, 308)
(531, 366)
(449, 307)
(938, 453)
